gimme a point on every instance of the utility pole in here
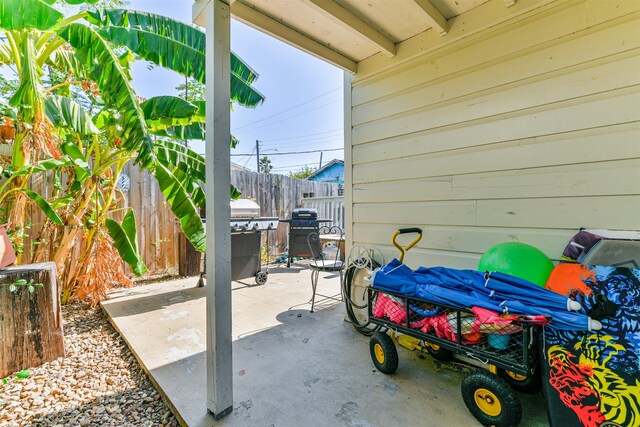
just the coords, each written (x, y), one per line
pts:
(320, 160)
(258, 155)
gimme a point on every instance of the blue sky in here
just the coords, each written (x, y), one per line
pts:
(303, 107)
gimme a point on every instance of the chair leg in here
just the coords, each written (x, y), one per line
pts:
(314, 285)
(341, 287)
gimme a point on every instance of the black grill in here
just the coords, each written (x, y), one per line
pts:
(302, 223)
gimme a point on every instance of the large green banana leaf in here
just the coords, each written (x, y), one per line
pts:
(64, 112)
(29, 98)
(65, 60)
(44, 165)
(25, 14)
(178, 31)
(44, 205)
(171, 155)
(125, 240)
(104, 68)
(182, 206)
(80, 163)
(161, 112)
(167, 107)
(184, 132)
(174, 45)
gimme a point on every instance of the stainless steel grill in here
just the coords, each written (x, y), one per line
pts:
(246, 228)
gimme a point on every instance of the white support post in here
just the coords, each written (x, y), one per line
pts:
(219, 353)
(348, 164)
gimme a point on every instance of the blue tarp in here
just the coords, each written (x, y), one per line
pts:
(468, 288)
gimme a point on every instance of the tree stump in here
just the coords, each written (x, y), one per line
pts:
(30, 323)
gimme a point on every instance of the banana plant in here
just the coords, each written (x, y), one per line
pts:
(49, 125)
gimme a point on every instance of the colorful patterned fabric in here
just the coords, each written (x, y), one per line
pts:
(593, 379)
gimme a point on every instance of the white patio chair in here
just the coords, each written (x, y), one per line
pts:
(325, 255)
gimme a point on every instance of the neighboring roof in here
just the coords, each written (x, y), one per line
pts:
(237, 167)
(326, 167)
(345, 32)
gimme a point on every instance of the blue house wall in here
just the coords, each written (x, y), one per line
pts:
(334, 174)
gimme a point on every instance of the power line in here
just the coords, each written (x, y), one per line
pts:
(249, 157)
(290, 108)
(317, 140)
(287, 118)
(304, 136)
(295, 152)
(292, 166)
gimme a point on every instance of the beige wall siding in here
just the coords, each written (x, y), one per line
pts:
(526, 131)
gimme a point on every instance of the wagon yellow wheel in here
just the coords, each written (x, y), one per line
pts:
(383, 353)
(515, 376)
(379, 353)
(524, 383)
(487, 402)
(491, 400)
(439, 353)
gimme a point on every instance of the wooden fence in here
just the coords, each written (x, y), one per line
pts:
(163, 247)
(158, 230)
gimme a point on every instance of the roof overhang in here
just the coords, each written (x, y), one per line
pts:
(347, 32)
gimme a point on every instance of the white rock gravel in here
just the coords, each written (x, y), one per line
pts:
(98, 383)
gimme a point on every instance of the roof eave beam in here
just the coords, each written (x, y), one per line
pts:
(437, 21)
(268, 25)
(343, 16)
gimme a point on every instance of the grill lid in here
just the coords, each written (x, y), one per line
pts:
(302, 213)
(244, 208)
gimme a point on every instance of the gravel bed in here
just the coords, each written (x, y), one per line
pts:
(99, 382)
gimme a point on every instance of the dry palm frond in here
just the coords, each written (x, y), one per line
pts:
(101, 270)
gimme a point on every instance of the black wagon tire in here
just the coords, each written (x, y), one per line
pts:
(491, 400)
(439, 353)
(383, 353)
(525, 384)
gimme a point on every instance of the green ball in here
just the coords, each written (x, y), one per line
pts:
(518, 259)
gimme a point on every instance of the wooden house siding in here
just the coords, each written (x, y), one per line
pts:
(524, 131)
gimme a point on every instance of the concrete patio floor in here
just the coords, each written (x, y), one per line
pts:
(291, 367)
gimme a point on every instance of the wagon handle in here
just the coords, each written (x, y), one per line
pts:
(410, 245)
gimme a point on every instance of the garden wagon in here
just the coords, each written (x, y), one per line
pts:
(508, 347)
(511, 357)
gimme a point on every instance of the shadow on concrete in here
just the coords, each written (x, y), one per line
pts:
(278, 269)
(123, 307)
(314, 369)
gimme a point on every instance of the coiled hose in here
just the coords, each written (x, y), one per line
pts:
(365, 328)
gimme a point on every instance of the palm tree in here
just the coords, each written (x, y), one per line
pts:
(265, 165)
(52, 132)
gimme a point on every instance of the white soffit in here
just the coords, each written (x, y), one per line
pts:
(344, 32)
